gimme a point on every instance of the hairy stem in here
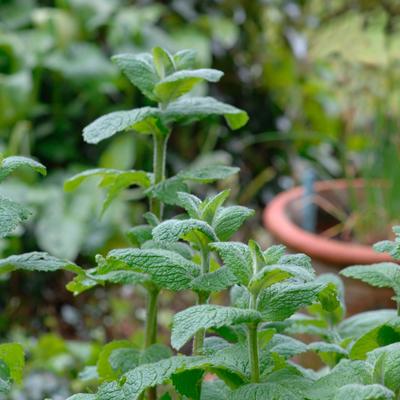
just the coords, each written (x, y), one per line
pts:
(253, 346)
(198, 342)
(151, 317)
(159, 159)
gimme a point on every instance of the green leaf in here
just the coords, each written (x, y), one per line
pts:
(5, 378)
(382, 335)
(185, 59)
(11, 215)
(37, 261)
(182, 82)
(286, 384)
(387, 365)
(163, 61)
(359, 324)
(167, 269)
(236, 256)
(140, 71)
(178, 247)
(297, 259)
(186, 323)
(346, 372)
(149, 375)
(380, 275)
(208, 174)
(190, 203)
(10, 164)
(271, 274)
(228, 220)
(83, 396)
(140, 234)
(197, 108)
(167, 190)
(280, 301)
(285, 346)
(273, 254)
(143, 120)
(215, 281)
(211, 205)
(188, 383)
(104, 367)
(155, 353)
(109, 177)
(12, 354)
(330, 353)
(191, 230)
(364, 392)
(114, 181)
(214, 390)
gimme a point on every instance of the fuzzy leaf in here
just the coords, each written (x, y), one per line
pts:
(211, 205)
(272, 274)
(285, 346)
(215, 281)
(214, 390)
(190, 203)
(109, 177)
(228, 220)
(140, 71)
(10, 164)
(143, 120)
(273, 254)
(36, 261)
(167, 190)
(104, 367)
(191, 230)
(236, 256)
(196, 108)
(139, 234)
(388, 246)
(11, 215)
(83, 396)
(359, 324)
(182, 82)
(114, 181)
(346, 372)
(186, 323)
(382, 335)
(364, 392)
(166, 268)
(185, 59)
(280, 301)
(380, 275)
(163, 62)
(284, 384)
(149, 375)
(208, 174)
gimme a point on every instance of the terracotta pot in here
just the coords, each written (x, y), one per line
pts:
(282, 217)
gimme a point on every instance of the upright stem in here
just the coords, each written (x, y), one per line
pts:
(253, 346)
(198, 342)
(159, 158)
(151, 317)
(156, 207)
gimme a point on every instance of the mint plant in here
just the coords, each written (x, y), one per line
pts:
(243, 350)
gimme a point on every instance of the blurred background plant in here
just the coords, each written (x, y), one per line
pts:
(319, 80)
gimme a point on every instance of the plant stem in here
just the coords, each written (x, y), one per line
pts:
(159, 158)
(253, 346)
(198, 342)
(151, 317)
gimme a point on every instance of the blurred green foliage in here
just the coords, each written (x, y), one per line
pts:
(318, 78)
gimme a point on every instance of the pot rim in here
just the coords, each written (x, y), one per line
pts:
(331, 251)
